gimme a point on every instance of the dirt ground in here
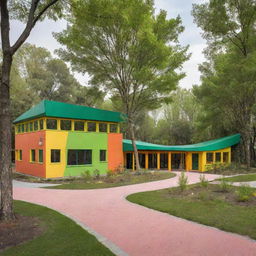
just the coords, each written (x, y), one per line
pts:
(21, 230)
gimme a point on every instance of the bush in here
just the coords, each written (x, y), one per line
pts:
(203, 181)
(96, 174)
(224, 185)
(86, 175)
(183, 181)
(244, 193)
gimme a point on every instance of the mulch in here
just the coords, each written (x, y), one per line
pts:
(23, 229)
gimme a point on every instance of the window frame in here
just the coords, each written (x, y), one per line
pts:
(207, 154)
(111, 130)
(106, 126)
(51, 119)
(88, 125)
(32, 155)
(77, 153)
(105, 155)
(55, 150)
(82, 122)
(65, 120)
(40, 150)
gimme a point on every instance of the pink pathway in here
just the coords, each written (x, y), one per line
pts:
(137, 230)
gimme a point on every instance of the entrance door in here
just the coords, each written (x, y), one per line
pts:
(195, 158)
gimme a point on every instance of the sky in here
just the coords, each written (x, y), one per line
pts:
(42, 36)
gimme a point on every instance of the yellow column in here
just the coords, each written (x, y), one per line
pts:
(221, 157)
(214, 158)
(146, 161)
(85, 127)
(108, 128)
(158, 161)
(58, 124)
(118, 128)
(229, 155)
(188, 161)
(44, 120)
(72, 125)
(203, 161)
(169, 161)
(97, 127)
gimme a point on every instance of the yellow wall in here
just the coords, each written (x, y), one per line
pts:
(56, 140)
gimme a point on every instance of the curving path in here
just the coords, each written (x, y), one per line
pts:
(130, 229)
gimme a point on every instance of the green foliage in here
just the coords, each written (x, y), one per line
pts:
(127, 49)
(203, 181)
(183, 181)
(96, 174)
(244, 193)
(86, 175)
(224, 185)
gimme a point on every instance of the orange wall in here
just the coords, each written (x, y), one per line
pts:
(26, 142)
(115, 150)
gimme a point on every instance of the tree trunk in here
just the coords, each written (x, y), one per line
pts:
(247, 143)
(137, 162)
(6, 211)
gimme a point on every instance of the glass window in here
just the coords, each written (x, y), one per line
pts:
(35, 125)
(113, 128)
(55, 155)
(40, 156)
(22, 128)
(209, 157)
(41, 124)
(103, 155)
(218, 157)
(51, 124)
(225, 157)
(33, 155)
(20, 155)
(31, 127)
(26, 127)
(103, 127)
(19, 128)
(79, 126)
(79, 157)
(65, 125)
(91, 127)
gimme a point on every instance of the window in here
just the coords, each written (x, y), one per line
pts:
(35, 125)
(19, 128)
(79, 157)
(26, 127)
(51, 124)
(32, 155)
(79, 126)
(113, 128)
(209, 157)
(22, 128)
(91, 127)
(65, 125)
(55, 156)
(41, 124)
(103, 127)
(225, 157)
(31, 127)
(103, 155)
(19, 155)
(218, 157)
(40, 156)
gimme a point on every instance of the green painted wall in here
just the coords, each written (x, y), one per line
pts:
(93, 141)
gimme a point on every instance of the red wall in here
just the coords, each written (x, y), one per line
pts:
(115, 150)
(26, 142)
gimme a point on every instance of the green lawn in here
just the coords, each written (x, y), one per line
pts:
(208, 206)
(62, 236)
(115, 181)
(242, 178)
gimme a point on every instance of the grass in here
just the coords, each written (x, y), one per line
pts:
(115, 180)
(242, 178)
(207, 206)
(62, 236)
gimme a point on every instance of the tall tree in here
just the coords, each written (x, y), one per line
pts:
(127, 49)
(30, 12)
(229, 27)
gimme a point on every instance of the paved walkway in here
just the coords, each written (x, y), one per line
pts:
(136, 230)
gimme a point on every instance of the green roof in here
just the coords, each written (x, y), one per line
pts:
(210, 145)
(64, 110)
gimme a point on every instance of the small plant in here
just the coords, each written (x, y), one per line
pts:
(183, 181)
(203, 181)
(244, 193)
(224, 185)
(86, 175)
(110, 173)
(203, 196)
(96, 174)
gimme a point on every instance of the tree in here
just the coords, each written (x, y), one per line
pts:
(30, 13)
(126, 48)
(229, 27)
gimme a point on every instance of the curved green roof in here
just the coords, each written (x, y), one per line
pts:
(210, 145)
(64, 110)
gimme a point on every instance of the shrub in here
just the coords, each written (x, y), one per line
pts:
(86, 175)
(96, 174)
(110, 173)
(224, 185)
(244, 193)
(203, 181)
(183, 181)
